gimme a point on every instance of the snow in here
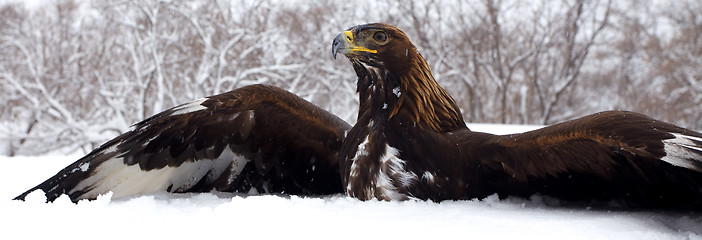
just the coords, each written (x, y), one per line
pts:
(223, 215)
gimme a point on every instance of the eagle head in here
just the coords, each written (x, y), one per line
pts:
(394, 80)
(378, 45)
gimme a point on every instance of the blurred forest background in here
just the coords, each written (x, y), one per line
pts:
(75, 73)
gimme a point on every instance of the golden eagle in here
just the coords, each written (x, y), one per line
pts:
(410, 142)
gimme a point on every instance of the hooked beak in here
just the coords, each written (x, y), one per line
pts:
(340, 44)
(344, 43)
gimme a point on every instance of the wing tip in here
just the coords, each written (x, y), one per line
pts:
(60, 183)
(22, 196)
(48, 196)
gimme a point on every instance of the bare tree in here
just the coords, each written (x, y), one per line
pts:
(76, 73)
(571, 40)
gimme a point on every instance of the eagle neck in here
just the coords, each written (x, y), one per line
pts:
(379, 94)
(411, 95)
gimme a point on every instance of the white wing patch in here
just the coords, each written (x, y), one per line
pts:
(683, 151)
(195, 105)
(128, 180)
(237, 164)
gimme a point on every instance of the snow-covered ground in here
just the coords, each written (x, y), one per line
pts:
(214, 216)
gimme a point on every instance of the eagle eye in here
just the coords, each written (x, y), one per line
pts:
(380, 36)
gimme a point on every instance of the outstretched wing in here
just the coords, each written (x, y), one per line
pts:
(256, 138)
(609, 155)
